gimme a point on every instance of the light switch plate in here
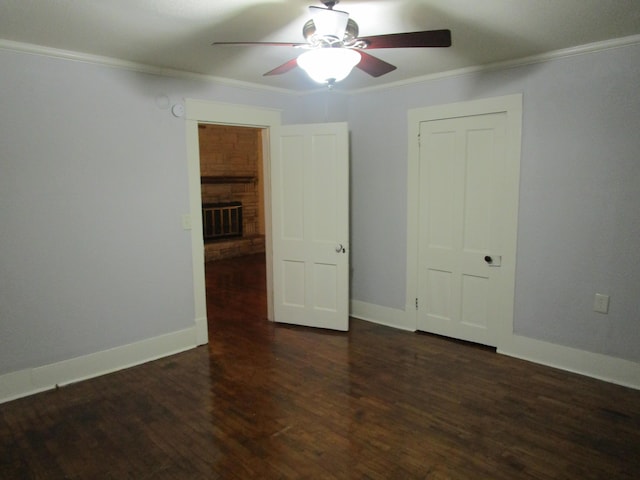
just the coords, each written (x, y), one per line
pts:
(601, 303)
(186, 221)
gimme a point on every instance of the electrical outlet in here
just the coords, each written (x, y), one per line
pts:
(601, 303)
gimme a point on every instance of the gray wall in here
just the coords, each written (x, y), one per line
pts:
(579, 218)
(93, 182)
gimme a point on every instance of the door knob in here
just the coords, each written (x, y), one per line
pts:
(340, 248)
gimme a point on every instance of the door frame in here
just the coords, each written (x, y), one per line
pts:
(511, 105)
(201, 111)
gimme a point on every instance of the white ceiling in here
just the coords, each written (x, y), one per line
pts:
(177, 34)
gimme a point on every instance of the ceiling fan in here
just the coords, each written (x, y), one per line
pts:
(333, 47)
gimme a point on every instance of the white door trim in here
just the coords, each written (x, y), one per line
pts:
(200, 111)
(512, 106)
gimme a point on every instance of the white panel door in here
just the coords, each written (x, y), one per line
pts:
(310, 181)
(461, 225)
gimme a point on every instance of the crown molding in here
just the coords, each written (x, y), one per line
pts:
(533, 59)
(144, 68)
(135, 66)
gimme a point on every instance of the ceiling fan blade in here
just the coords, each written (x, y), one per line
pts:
(268, 44)
(428, 38)
(284, 68)
(373, 65)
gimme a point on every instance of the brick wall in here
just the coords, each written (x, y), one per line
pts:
(231, 159)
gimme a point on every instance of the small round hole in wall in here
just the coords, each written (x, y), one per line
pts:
(162, 102)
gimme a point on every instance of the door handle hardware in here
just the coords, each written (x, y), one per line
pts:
(340, 248)
(493, 261)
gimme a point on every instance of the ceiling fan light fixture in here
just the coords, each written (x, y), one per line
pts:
(329, 65)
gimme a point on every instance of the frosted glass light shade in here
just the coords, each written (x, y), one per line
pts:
(328, 65)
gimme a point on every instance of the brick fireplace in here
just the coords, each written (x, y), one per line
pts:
(221, 220)
(232, 190)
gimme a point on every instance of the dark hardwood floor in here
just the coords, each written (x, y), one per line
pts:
(269, 401)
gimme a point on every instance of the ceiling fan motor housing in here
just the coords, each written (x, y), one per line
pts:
(350, 33)
(330, 3)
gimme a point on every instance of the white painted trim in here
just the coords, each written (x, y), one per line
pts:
(268, 237)
(200, 111)
(135, 67)
(140, 67)
(518, 62)
(39, 379)
(603, 367)
(202, 331)
(231, 114)
(390, 317)
(512, 106)
(197, 239)
(594, 365)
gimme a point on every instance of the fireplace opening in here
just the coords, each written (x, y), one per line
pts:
(221, 220)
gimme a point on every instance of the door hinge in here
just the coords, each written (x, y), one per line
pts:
(419, 144)
(416, 303)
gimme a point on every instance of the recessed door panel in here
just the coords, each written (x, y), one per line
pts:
(325, 283)
(324, 185)
(477, 206)
(438, 304)
(475, 295)
(439, 174)
(292, 181)
(293, 283)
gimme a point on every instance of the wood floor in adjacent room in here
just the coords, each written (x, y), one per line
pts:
(263, 401)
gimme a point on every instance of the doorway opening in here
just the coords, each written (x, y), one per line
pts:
(232, 190)
(233, 218)
(210, 113)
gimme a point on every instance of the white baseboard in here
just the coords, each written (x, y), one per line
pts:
(34, 380)
(595, 365)
(390, 317)
(202, 331)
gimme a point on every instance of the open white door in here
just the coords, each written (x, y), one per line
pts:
(310, 220)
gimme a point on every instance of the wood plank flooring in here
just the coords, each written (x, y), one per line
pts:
(267, 401)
